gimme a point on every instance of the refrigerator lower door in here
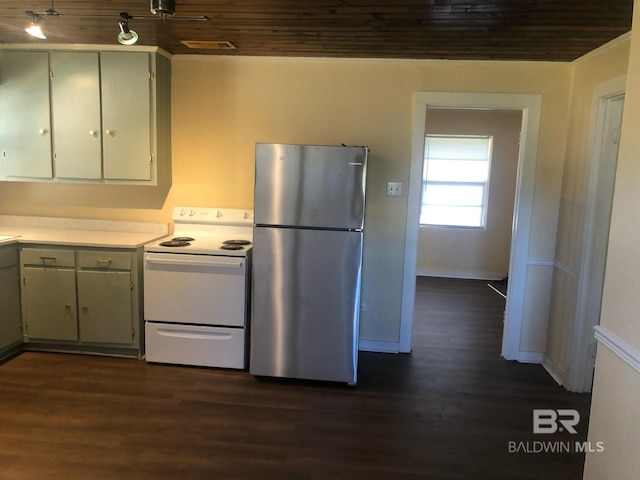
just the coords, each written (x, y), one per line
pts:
(306, 301)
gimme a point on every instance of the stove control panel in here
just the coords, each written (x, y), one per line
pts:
(212, 216)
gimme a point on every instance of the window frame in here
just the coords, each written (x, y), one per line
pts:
(457, 183)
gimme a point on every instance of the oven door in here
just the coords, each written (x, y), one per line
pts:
(195, 289)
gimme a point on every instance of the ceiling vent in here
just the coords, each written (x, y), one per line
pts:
(208, 45)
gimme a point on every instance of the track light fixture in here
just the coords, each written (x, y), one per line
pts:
(160, 10)
(34, 29)
(126, 36)
(163, 8)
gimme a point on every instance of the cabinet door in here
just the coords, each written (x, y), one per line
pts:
(25, 125)
(75, 107)
(105, 300)
(10, 331)
(126, 115)
(49, 303)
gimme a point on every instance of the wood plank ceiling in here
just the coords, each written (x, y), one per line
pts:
(544, 30)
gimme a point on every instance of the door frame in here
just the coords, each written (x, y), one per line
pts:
(530, 106)
(587, 312)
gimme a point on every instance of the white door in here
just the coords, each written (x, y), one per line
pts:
(591, 280)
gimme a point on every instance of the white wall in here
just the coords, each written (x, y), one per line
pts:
(476, 253)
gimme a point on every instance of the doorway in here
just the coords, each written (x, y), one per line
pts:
(606, 127)
(471, 162)
(529, 106)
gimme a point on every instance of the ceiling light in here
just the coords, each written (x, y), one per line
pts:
(126, 36)
(34, 29)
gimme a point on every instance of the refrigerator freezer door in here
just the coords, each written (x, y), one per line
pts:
(306, 300)
(310, 186)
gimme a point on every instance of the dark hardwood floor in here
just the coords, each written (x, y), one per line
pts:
(447, 411)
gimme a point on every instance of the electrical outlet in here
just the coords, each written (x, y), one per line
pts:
(394, 189)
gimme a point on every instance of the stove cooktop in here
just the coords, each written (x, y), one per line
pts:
(208, 231)
(202, 244)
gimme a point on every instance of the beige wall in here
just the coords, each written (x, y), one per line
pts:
(615, 410)
(223, 105)
(614, 420)
(476, 253)
(594, 69)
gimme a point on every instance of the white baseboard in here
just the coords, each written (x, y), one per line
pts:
(377, 346)
(552, 369)
(626, 352)
(425, 272)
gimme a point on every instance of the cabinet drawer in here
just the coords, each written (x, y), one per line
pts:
(104, 260)
(48, 257)
(195, 345)
(8, 257)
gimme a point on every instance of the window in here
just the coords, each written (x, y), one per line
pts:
(455, 180)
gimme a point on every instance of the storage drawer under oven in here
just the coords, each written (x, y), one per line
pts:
(195, 289)
(195, 345)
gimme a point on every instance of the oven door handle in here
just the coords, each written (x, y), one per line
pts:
(200, 262)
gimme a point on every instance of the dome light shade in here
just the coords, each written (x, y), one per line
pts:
(126, 36)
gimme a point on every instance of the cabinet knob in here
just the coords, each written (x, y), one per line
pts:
(43, 131)
(109, 132)
(67, 306)
(85, 308)
(93, 133)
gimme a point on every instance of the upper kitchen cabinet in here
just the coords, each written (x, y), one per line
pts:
(110, 116)
(75, 108)
(25, 124)
(127, 82)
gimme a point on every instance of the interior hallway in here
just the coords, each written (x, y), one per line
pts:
(447, 411)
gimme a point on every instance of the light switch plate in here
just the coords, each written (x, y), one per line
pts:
(394, 189)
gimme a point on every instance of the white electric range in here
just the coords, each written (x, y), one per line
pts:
(196, 289)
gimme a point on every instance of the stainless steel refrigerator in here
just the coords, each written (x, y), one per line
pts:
(307, 261)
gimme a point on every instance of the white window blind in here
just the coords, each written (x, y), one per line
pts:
(455, 180)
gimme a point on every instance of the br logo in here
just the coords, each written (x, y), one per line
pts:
(547, 421)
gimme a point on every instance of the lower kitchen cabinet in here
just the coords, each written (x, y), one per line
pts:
(49, 303)
(10, 317)
(104, 299)
(82, 299)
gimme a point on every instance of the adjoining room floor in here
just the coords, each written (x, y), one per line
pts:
(447, 411)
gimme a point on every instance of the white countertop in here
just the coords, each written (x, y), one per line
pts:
(79, 232)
